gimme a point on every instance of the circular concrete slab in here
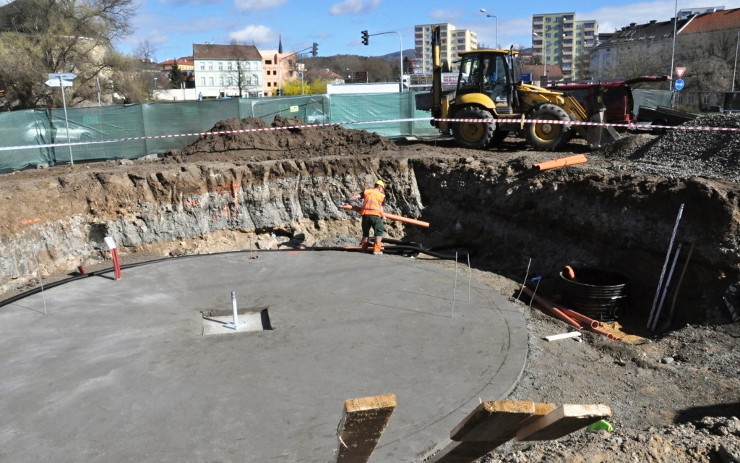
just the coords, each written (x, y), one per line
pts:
(104, 370)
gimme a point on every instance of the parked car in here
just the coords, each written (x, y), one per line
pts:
(37, 132)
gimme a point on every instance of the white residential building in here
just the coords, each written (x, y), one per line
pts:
(228, 71)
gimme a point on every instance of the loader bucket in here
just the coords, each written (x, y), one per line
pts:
(597, 135)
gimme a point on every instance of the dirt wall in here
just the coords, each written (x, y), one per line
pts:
(503, 211)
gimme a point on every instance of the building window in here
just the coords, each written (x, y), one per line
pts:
(210, 81)
(221, 81)
(210, 66)
(228, 65)
(203, 81)
(220, 66)
(202, 66)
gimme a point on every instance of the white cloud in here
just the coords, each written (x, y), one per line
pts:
(444, 15)
(254, 5)
(255, 35)
(353, 7)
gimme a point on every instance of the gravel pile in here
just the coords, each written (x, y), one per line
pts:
(682, 153)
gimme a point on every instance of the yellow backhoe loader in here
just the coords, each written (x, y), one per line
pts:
(489, 87)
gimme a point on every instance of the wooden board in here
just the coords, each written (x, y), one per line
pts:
(496, 421)
(563, 421)
(493, 421)
(362, 424)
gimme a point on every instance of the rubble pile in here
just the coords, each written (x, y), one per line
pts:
(701, 152)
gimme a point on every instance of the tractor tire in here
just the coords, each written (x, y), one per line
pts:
(548, 137)
(473, 135)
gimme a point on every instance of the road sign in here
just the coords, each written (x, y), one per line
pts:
(678, 84)
(56, 83)
(679, 71)
(62, 75)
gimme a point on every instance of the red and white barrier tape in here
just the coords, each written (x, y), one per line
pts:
(628, 126)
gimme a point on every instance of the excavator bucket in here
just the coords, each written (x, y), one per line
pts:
(599, 135)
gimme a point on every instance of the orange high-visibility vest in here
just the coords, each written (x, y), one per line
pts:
(372, 202)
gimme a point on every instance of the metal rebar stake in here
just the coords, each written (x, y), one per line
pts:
(537, 279)
(470, 275)
(454, 289)
(526, 275)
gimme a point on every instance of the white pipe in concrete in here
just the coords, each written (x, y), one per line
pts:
(233, 308)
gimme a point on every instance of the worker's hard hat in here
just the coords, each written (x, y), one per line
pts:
(380, 182)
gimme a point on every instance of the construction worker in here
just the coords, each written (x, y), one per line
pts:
(372, 215)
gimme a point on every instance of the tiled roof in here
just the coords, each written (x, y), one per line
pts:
(324, 74)
(723, 19)
(183, 61)
(654, 30)
(211, 51)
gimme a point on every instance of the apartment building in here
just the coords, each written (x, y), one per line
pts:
(453, 41)
(559, 38)
(279, 68)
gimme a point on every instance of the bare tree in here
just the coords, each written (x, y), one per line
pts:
(583, 66)
(145, 51)
(49, 36)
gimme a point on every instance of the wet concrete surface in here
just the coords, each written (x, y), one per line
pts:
(102, 370)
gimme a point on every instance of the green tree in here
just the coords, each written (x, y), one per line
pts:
(49, 36)
(177, 77)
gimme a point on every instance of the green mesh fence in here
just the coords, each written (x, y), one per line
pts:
(39, 137)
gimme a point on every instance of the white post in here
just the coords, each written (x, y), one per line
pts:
(233, 308)
(400, 82)
(673, 48)
(66, 121)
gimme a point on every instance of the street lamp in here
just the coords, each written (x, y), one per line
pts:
(488, 15)
(544, 54)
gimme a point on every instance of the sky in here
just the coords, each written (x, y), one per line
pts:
(171, 27)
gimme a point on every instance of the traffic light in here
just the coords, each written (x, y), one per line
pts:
(365, 37)
(315, 49)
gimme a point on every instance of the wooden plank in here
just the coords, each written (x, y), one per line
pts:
(562, 421)
(493, 421)
(362, 424)
(464, 452)
(475, 423)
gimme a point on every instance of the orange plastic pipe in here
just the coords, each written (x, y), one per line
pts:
(400, 218)
(604, 332)
(561, 162)
(550, 307)
(580, 317)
